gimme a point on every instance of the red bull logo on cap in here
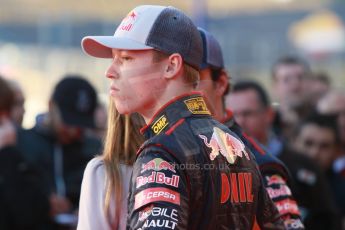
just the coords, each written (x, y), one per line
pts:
(158, 164)
(128, 22)
(225, 144)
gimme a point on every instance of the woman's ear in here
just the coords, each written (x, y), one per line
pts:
(174, 66)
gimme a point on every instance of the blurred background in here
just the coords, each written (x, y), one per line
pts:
(40, 39)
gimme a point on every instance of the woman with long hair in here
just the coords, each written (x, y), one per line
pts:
(103, 200)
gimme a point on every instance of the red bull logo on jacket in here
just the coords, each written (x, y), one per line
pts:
(158, 164)
(159, 178)
(225, 144)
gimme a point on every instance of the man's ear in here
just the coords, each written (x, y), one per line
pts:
(174, 66)
(222, 84)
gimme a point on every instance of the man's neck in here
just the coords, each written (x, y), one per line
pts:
(165, 98)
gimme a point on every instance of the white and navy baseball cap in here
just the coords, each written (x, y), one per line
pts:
(162, 28)
(212, 55)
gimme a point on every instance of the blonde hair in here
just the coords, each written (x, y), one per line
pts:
(122, 141)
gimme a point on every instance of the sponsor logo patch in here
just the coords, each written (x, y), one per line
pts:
(128, 22)
(160, 124)
(225, 144)
(157, 164)
(237, 187)
(197, 106)
(293, 224)
(283, 190)
(145, 213)
(156, 194)
(167, 217)
(159, 178)
(275, 179)
(159, 224)
(287, 206)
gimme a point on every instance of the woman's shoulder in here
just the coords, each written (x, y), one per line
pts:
(95, 168)
(95, 163)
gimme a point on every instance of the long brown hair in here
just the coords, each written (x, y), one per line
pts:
(121, 144)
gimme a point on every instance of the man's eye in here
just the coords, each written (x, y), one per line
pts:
(126, 58)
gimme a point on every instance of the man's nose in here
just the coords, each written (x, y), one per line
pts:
(112, 72)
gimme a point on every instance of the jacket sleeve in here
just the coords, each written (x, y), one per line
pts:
(267, 215)
(280, 193)
(159, 196)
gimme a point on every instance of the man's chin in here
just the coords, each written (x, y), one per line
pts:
(123, 111)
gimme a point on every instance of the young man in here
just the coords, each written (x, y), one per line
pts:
(333, 103)
(251, 107)
(289, 75)
(191, 173)
(317, 137)
(214, 84)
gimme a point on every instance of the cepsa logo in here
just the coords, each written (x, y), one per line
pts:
(157, 164)
(128, 22)
(160, 124)
(224, 144)
(150, 195)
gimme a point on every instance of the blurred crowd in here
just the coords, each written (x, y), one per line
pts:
(41, 168)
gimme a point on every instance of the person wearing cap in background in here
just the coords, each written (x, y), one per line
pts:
(214, 83)
(60, 148)
(183, 172)
(22, 201)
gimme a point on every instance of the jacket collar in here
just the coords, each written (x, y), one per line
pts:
(228, 119)
(180, 107)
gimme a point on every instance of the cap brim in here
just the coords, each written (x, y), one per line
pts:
(101, 46)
